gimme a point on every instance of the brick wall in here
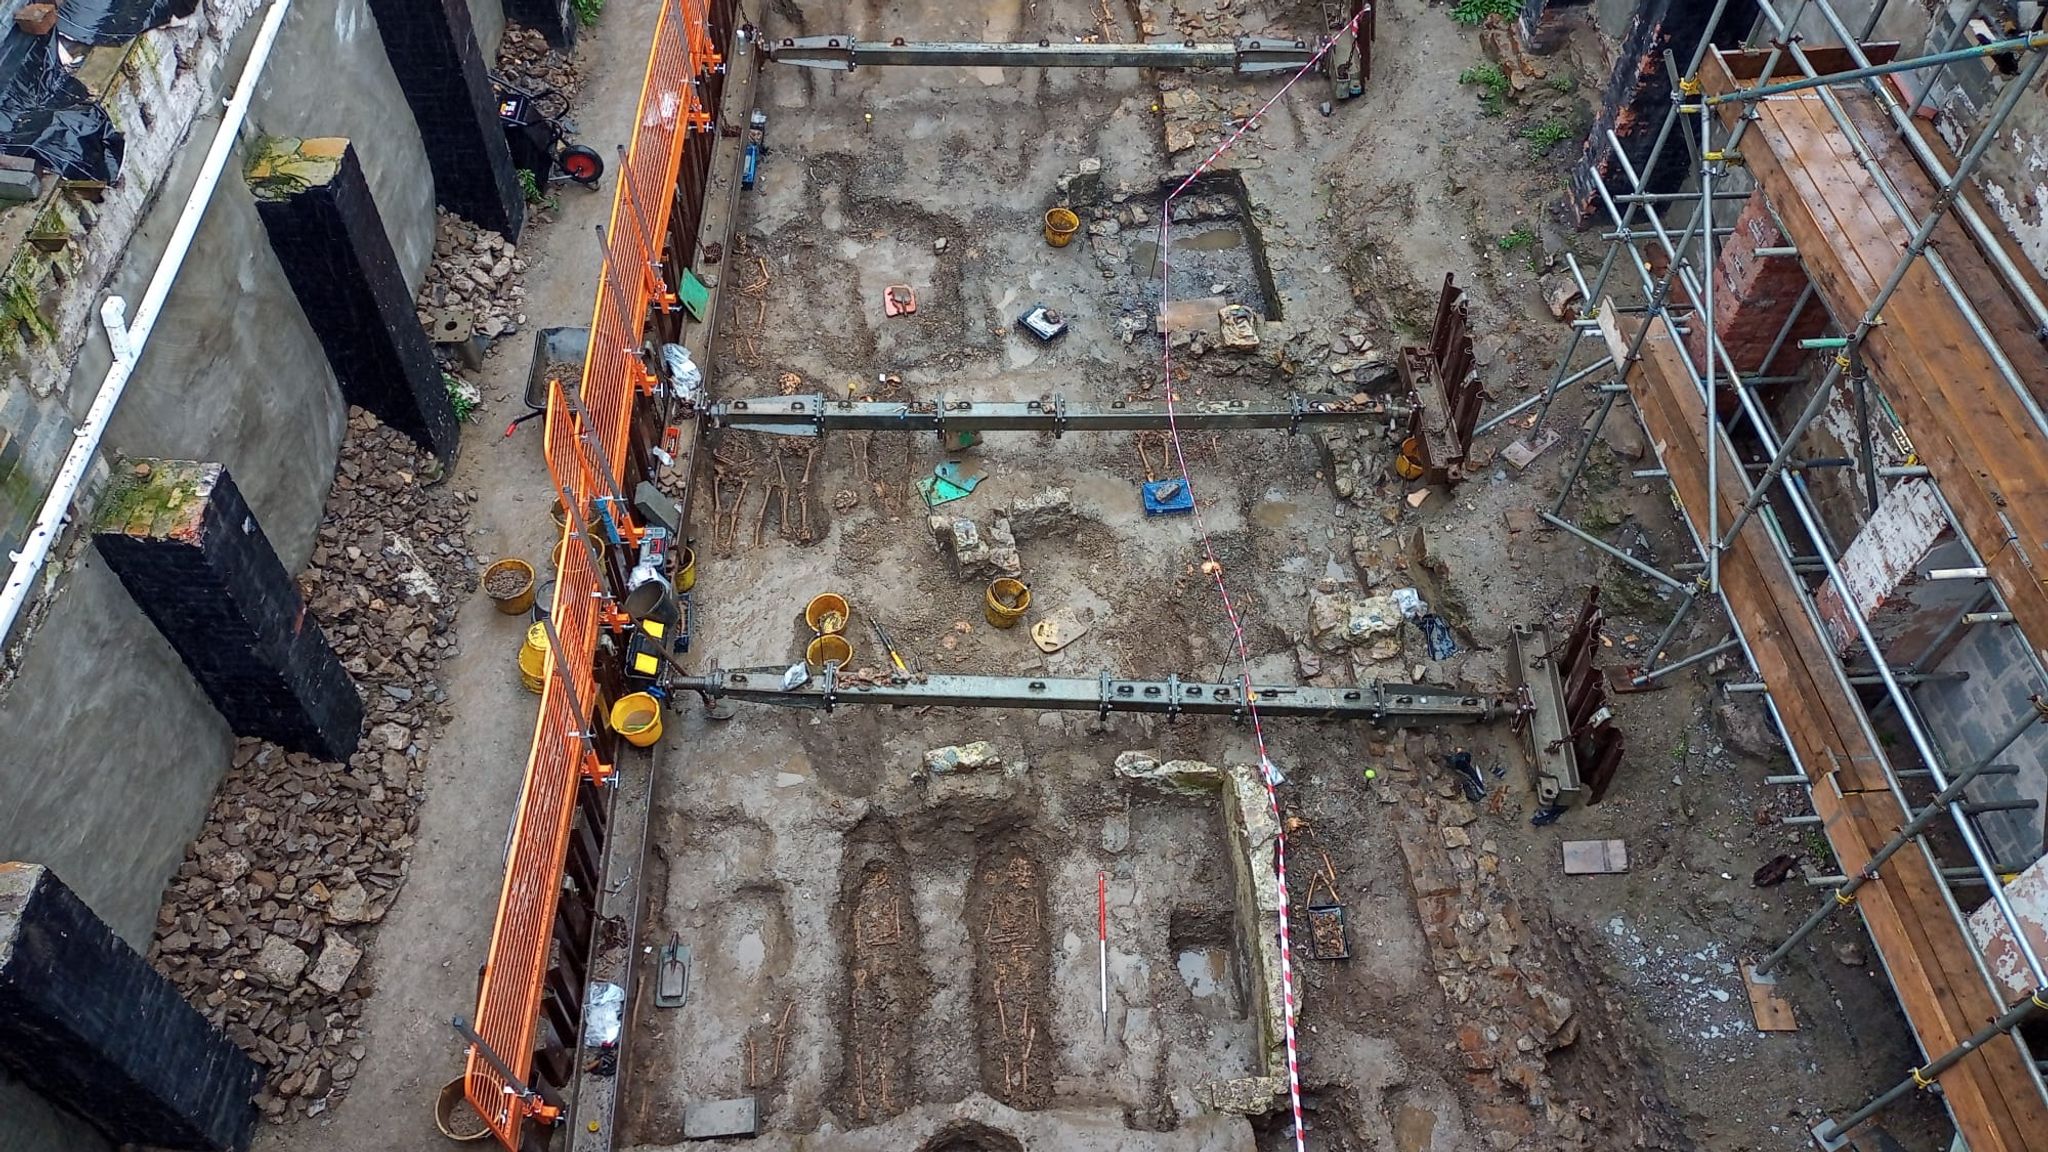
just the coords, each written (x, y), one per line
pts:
(1753, 293)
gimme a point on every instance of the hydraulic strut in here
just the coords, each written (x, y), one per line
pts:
(1383, 705)
(1246, 56)
(815, 415)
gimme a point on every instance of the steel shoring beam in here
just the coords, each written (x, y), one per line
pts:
(1385, 705)
(815, 415)
(1247, 56)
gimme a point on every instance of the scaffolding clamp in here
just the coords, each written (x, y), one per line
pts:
(1845, 899)
(1922, 1081)
(1689, 85)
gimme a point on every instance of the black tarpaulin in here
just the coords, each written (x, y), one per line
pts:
(45, 113)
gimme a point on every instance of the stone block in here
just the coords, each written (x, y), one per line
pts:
(1179, 777)
(85, 1021)
(1045, 514)
(324, 227)
(978, 756)
(183, 542)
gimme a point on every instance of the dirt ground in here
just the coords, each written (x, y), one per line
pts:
(885, 961)
(852, 922)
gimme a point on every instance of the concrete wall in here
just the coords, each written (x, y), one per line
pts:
(112, 752)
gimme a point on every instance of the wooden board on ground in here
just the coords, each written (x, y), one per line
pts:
(1200, 315)
(1595, 857)
(1773, 1012)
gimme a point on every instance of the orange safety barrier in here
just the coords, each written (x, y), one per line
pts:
(586, 443)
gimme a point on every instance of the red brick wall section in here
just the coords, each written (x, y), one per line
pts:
(1753, 293)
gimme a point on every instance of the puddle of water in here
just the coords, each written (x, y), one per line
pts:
(1273, 512)
(1214, 240)
(1413, 1128)
(1145, 253)
(1203, 970)
(747, 954)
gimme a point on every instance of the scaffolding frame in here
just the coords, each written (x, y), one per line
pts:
(1680, 297)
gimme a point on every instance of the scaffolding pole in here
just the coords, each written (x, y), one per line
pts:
(1833, 1136)
(1845, 896)
(1915, 247)
(1638, 198)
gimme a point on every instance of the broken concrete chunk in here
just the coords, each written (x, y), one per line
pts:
(280, 962)
(1181, 777)
(337, 962)
(1339, 617)
(1043, 514)
(978, 756)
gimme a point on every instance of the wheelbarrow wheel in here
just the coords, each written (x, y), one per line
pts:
(583, 165)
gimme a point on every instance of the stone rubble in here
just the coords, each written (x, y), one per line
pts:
(525, 61)
(1506, 1016)
(265, 926)
(476, 278)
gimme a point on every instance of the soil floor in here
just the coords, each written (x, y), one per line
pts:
(888, 961)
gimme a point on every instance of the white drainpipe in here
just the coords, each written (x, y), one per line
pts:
(128, 340)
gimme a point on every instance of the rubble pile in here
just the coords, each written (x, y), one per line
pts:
(525, 61)
(1506, 1014)
(265, 925)
(474, 281)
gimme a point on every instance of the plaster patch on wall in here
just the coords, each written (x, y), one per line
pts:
(2026, 216)
(1908, 523)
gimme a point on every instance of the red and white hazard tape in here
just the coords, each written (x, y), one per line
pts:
(1268, 773)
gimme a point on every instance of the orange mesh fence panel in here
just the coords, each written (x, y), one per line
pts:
(586, 440)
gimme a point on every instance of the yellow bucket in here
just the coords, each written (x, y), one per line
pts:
(511, 603)
(533, 658)
(831, 648)
(1060, 226)
(638, 719)
(1007, 600)
(686, 571)
(826, 613)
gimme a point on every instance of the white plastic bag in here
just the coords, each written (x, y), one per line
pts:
(603, 1015)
